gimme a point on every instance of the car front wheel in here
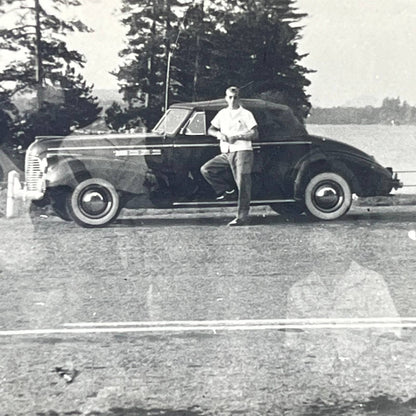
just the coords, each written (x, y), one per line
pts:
(93, 203)
(328, 196)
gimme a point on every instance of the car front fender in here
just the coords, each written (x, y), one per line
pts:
(124, 175)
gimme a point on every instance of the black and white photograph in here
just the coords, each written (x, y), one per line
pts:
(207, 207)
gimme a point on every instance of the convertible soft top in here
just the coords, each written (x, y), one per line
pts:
(275, 120)
(216, 105)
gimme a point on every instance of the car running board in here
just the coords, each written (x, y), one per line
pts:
(231, 203)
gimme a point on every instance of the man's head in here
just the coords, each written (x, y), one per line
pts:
(232, 96)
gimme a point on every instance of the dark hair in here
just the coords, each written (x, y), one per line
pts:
(234, 90)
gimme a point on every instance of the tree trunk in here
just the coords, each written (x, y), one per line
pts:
(38, 58)
(196, 69)
(168, 54)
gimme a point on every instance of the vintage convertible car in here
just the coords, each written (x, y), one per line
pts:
(89, 179)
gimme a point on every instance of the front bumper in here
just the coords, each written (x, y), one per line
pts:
(18, 190)
(32, 195)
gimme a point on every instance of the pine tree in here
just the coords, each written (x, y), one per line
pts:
(151, 36)
(248, 43)
(257, 50)
(141, 75)
(37, 37)
(45, 65)
(191, 61)
(8, 113)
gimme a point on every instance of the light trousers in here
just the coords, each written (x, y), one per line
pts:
(220, 171)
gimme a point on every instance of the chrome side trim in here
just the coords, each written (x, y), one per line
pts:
(138, 152)
(256, 145)
(72, 148)
(102, 136)
(196, 145)
(286, 142)
(167, 146)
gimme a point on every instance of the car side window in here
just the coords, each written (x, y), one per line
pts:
(197, 125)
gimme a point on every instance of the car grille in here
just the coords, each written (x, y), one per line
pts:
(33, 173)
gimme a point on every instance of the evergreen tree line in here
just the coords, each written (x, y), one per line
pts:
(43, 72)
(392, 111)
(194, 49)
(191, 50)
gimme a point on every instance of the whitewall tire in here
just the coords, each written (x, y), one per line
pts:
(94, 203)
(328, 196)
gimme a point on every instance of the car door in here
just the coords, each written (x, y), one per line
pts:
(192, 147)
(161, 162)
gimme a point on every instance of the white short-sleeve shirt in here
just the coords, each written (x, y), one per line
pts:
(231, 122)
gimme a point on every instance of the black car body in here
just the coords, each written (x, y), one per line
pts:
(90, 178)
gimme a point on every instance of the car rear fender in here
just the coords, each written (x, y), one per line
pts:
(321, 163)
(124, 175)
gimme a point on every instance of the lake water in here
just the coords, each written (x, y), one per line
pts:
(393, 146)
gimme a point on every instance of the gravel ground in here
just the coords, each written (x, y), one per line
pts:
(206, 374)
(183, 265)
(169, 265)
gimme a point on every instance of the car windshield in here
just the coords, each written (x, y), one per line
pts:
(171, 121)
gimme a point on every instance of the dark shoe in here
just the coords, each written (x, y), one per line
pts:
(238, 222)
(228, 196)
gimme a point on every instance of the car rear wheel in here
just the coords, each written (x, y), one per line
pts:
(93, 203)
(328, 196)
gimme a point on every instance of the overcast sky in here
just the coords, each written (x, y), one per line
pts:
(362, 50)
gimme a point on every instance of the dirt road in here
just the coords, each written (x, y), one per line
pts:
(174, 313)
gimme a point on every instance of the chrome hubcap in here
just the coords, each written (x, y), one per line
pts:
(328, 196)
(95, 201)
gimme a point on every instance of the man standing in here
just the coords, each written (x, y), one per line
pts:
(235, 128)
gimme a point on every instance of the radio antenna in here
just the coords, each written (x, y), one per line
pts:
(170, 54)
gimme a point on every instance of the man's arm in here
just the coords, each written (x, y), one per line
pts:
(249, 135)
(213, 131)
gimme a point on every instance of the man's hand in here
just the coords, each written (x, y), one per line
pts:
(233, 139)
(213, 131)
(222, 137)
(248, 136)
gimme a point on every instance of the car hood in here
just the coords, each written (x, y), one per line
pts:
(50, 143)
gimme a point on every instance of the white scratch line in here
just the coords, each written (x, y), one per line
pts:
(242, 322)
(168, 326)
